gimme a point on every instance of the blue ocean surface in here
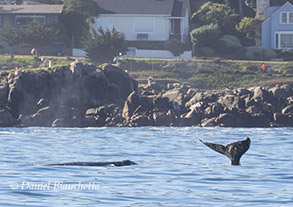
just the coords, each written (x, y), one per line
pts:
(174, 167)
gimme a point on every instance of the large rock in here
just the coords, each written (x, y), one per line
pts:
(119, 78)
(65, 88)
(130, 105)
(204, 97)
(139, 120)
(288, 110)
(176, 96)
(232, 101)
(192, 118)
(164, 119)
(282, 91)
(228, 120)
(285, 120)
(6, 119)
(3, 94)
(262, 94)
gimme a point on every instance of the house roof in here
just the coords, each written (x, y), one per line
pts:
(31, 9)
(144, 7)
(277, 10)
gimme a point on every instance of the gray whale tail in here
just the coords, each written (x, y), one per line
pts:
(234, 150)
(116, 164)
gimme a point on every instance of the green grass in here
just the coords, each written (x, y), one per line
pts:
(29, 62)
(213, 74)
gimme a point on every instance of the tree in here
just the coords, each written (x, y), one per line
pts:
(49, 1)
(103, 45)
(38, 35)
(18, 2)
(74, 18)
(215, 13)
(279, 2)
(205, 35)
(177, 47)
(251, 27)
(87, 8)
(10, 37)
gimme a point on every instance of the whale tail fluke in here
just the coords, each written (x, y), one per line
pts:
(233, 151)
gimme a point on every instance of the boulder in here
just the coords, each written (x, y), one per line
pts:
(60, 122)
(288, 110)
(260, 120)
(139, 120)
(204, 97)
(130, 105)
(120, 78)
(43, 117)
(209, 122)
(3, 94)
(161, 103)
(228, 120)
(43, 103)
(262, 94)
(6, 119)
(285, 120)
(192, 118)
(232, 101)
(176, 96)
(163, 118)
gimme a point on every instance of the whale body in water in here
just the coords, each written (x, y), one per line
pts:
(233, 151)
(101, 164)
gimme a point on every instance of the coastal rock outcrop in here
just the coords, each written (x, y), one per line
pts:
(81, 95)
(62, 96)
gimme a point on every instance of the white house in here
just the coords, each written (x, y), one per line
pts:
(148, 20)
(145, 19)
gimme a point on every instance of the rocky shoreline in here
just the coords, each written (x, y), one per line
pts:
(81, 95)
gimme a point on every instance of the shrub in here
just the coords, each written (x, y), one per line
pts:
(250, 27)
(286, 69)
(286, 55)
(205, 52)
(230, 47)
(259, 53)
(103, 46)
(177, 47)
(220, 14)
(205, 35)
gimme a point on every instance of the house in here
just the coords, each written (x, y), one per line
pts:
(19, 15)
(277, 28)
(145, 20)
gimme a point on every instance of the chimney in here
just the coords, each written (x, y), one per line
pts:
(261, 8)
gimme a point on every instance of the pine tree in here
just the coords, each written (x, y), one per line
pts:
(38, 35)
(10, 36)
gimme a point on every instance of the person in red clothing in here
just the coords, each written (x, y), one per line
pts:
(263, 67)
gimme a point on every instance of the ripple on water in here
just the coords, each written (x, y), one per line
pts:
(174, 168)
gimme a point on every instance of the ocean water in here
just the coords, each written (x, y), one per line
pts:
(174, 168)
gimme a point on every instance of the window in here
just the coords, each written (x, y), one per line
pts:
(22, 20)
(143, 24)
(287, 18)
(284, 40)
(172, 26)
(291, 18)
(277, 41)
